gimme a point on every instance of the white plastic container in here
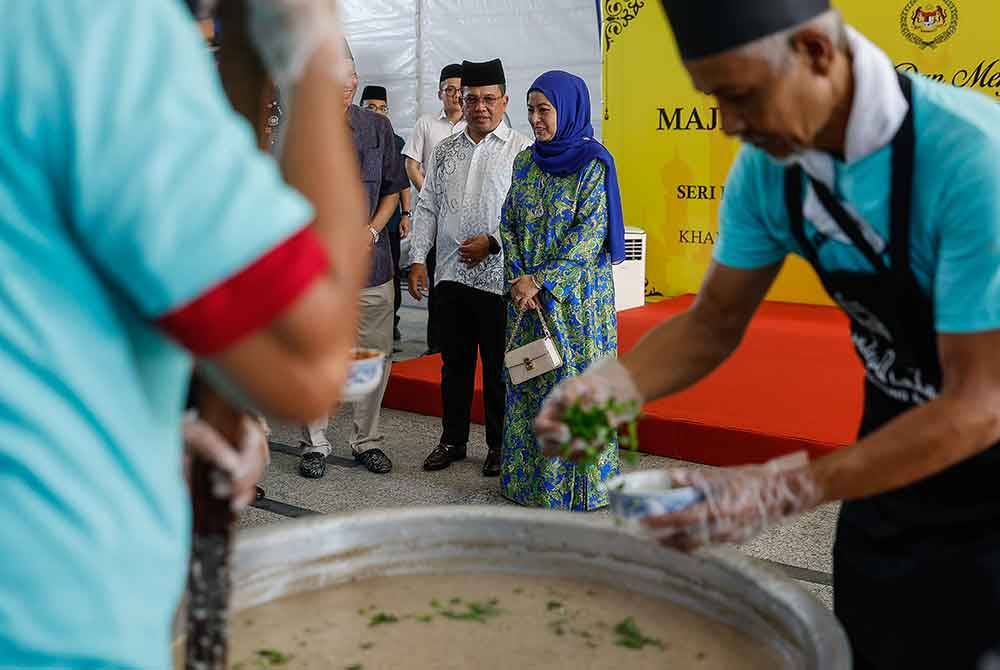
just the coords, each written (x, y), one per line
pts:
(365, 374)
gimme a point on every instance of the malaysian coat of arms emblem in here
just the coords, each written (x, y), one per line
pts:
(929, 23)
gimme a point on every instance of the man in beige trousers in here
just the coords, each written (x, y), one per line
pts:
(383, 178)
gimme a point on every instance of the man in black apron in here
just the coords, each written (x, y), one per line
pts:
(878, 179)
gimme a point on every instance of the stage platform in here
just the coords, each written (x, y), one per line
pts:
(793, 384)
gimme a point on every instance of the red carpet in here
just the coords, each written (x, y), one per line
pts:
(793, 384)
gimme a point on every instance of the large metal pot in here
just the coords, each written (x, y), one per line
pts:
(319, 552)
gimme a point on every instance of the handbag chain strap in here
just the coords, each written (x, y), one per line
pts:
(517, 325)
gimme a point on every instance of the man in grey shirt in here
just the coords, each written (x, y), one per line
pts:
(384, 178)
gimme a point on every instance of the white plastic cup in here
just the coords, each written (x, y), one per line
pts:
(365, 374)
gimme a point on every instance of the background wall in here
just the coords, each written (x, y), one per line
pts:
(673, 158)
(403, 44)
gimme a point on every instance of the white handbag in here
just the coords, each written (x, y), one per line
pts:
(534, 358)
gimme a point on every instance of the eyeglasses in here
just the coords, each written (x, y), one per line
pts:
(377, 109)
(474, 100)
(451, 90)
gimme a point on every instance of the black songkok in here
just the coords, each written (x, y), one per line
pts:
(453, 71)
(709, 27)
(483, 74)
(375, 93)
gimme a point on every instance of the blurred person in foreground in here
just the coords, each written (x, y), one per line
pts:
(162, 241)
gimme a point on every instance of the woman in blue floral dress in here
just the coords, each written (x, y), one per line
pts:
(561, 229)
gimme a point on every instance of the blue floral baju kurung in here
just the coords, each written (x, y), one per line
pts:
(556, 229)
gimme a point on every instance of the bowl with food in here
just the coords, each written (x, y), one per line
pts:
(365, 373)
(637, 495)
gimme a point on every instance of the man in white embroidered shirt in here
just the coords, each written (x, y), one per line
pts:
(429, 131)
(459, 210)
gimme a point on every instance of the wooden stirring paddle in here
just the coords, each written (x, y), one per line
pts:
(249, 91)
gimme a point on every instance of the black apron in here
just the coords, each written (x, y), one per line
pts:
(916, 570)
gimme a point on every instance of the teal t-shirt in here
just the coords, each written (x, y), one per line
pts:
(128, 188)
(955, 226)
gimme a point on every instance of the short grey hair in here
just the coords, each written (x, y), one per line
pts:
(776, 48)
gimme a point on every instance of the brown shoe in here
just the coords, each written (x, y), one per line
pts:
(491, 468)
(443, 456)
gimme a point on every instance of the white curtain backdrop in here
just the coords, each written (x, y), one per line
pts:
(403, 44)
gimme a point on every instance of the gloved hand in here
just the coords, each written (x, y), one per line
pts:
(243, 465)
(604, 381)
(288, 32)
(739, 504)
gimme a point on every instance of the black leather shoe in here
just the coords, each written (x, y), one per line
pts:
(443, 456)
(491, 468)
(375, 460)
(312, 465)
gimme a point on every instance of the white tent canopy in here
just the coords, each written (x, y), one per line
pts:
(403, 44)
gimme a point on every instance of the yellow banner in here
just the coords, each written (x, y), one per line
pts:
(666, 137)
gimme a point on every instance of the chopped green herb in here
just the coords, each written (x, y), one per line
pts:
(630, 637)
(425, 618)
(367, 645)
(591, 644)
(558, 626)
(475, 612)
(594, 426)
(382, 618)
(455, 601)
(436, 604)
(356, 666)
(519, 590)
(273, 656)
(553, 605)
(239, 666)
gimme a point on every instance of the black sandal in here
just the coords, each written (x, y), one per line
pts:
(375, 460)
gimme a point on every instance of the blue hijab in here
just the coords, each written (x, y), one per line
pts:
(574, 146)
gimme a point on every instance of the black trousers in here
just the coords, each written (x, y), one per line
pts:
(397, 274)
(433, 327)
(471, 320)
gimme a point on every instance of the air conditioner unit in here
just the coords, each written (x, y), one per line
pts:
(630, 274)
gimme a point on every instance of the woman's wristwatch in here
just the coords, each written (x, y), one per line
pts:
(406, 213)
(374, 233)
